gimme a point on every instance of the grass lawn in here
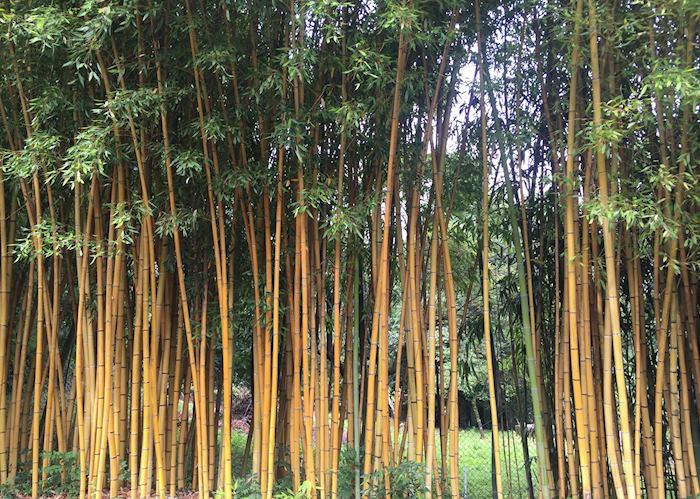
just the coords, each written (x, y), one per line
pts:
(474, 456)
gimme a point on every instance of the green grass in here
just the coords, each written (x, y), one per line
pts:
(238, 440)
(474, 455)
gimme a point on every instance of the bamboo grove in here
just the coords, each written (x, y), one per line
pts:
(335, 204)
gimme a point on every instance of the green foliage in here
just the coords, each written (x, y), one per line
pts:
(298, 63)
(45, 27)
(39, 152)
(400, 15)
(217, 59)
(62, 475)
(249, 488)
(142, 103)
(407, 480)
(59, 477)
(349, 115)
(329, 13)
(343, 221)
(184, 220)
(188, 163)
(674, 78)
(368, 67)
(346, 472)
(313, 198)
(246, 488)
(291, 133)
(46, 107)
(25, 249)
(89, 155)
(305, 489)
